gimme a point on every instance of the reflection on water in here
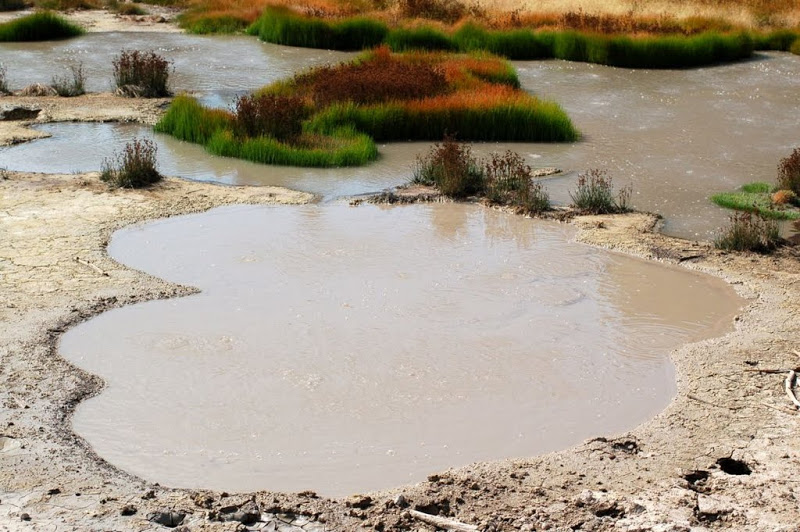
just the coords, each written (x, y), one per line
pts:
(346, 349)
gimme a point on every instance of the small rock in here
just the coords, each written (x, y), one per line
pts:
(25, 517)
(359, 501)
(128, 509)
(53, 491)
(18, 113)
(149, 495)
(168, 518)
(400, 501)
(247, 514)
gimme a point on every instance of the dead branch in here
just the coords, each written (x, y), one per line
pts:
(92, 266)
(442, 522)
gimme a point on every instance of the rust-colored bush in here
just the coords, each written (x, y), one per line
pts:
(442, 10)
(789, 172)
(382, 79)
(269, 115)
(784, 197)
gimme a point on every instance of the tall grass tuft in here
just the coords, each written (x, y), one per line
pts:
(795, 48)
(451, 167)
(270, 115)
(41, 26)
(281, 26)
(216, 129)
(422, 38)
(595, 194)
(141, 74)
(509, 181)
(789, 172)
(134, 167)
(4, 80)
(72, 84)
(749, 232)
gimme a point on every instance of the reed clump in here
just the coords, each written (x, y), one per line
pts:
(40, 26)
(4, 80)
(749, 232)
(270, 115)
(71, 84)
(451, 167)
(595, 194)
(217, 130)
(141, 74)
(575, 37)
(332, 116)
(502, 179)
(282, 26)
(134, 167)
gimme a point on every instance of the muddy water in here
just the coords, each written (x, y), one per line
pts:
(346, 349)
(216, 67)
(676, 136)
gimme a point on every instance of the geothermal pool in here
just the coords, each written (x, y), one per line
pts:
(344, 349)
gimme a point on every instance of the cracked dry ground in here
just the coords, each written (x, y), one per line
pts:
(676, 472)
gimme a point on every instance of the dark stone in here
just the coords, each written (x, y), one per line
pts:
(167, 518)
(247, 514)
(18, 113)
(25, 517)
(128, 509)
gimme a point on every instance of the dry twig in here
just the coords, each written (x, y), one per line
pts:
(443, 522)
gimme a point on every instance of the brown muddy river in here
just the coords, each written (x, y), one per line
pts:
(676, 136)
(345, 349)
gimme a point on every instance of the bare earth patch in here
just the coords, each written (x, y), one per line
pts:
(724, 455)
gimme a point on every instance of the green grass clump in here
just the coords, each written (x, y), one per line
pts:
(215, 129)
(595, 194)
(281, 26)
(795, 48)
(423, 38)
(756, 198)
(748, 232)
(41, 26)
(533, 121)
(779, 40)
(518, 44)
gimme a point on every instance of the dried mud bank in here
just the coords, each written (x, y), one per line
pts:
(96, 107)
(679, 471)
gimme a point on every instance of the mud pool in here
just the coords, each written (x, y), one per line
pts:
(345, 349)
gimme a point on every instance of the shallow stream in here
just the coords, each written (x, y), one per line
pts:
(676, 136)
(345, 349)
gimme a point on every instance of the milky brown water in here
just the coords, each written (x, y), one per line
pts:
(676, 136)
(345, 349)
